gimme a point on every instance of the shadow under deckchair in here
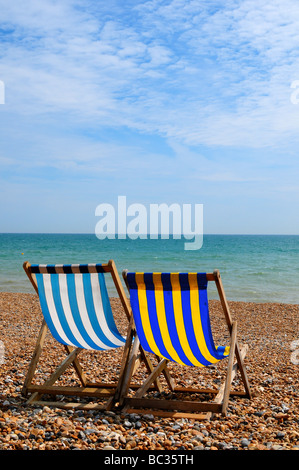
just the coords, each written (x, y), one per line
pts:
(77, 311)
(172, 321)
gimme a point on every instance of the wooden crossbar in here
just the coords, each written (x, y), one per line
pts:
(72, 390)
(166, 404)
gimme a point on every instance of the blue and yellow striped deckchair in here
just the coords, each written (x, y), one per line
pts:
(77, 311)
(172, 321)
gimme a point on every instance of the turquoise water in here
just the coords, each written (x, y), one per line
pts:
(256, 268)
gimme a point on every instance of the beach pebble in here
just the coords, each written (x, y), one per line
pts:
(245, 442)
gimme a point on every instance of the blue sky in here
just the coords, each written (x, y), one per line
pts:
(163, 101)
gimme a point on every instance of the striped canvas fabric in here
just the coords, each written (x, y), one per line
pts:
(172, 317)
(75, 304)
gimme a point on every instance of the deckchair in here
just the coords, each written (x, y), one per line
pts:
(172, 321)
(77, 312)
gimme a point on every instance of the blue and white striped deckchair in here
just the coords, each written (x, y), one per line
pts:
(76, 306)
(77, 311)
(172, 321)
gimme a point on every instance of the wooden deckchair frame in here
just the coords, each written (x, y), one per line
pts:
(101, 390)
(186, 408)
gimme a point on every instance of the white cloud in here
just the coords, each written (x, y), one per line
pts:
(203, 72)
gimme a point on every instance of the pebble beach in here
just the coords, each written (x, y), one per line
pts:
(269, 421)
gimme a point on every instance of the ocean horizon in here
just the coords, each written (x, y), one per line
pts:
(254, 268)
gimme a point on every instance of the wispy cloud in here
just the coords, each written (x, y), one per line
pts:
(200, 71)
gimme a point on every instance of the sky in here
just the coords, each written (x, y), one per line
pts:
(161, 101)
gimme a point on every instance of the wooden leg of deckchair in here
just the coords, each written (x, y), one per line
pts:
(150, 368)
(125, 363)
(220, 396)
(131, 362)
(129, 370)
(151, 378)
(229, 376)
(35, 358)
(240, 359)
(228, 318)
(146, 385)
(77, 366)
(168, 378)
(143, 358)
(55, 376)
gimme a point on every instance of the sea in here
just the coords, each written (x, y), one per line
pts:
(254, 268)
